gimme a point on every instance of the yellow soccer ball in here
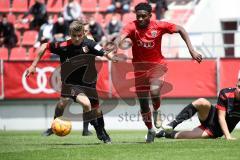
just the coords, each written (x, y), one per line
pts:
(61, 127)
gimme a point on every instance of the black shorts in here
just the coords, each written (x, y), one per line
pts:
(72, 91)
(211, 124)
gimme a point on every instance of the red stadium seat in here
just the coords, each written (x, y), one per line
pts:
(19, 38)
(32, 2)
(65, 2)
(33, 52)
(11, 18)
(55, 6)
(103, 4)
(20, 25)
(89, 5)
(29, 38)
(20, 6)
(4, 54)
(18, 53)
(109, 16)
(128, 17)
(99, 18)
(4, 5)
(135, 2)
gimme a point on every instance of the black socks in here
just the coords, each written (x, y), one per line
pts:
(185, 114)
(58, 111)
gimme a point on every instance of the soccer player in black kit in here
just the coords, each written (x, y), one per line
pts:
(78, 73)
(216, 121)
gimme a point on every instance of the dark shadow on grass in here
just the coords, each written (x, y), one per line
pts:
(83, 144)
(126, 142)
(73, 144)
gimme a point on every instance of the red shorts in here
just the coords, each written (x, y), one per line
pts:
(149, 74)
(208, 131)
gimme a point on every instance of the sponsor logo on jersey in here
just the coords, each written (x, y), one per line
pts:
(154, 33)
(147, 45)
(85, 49)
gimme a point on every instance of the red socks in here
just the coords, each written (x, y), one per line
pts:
(156, 103)
(147, 119)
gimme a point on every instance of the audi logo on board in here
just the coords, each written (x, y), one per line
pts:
(41, 81)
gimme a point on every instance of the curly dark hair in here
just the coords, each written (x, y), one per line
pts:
(143, 6)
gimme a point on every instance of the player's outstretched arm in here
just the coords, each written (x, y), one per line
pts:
(119, 41)
(32, 68)
(110, 55)
(195, 55)
(111, 52)
(223, 124)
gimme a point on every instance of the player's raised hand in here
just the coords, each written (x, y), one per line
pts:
(196, 56)
(30, 70)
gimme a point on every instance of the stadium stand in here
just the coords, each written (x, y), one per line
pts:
(20, 6)
(32, 54)
(19, 37)
(18, 53)
(11, 18)
(54, 6)
(89, 5)
(4, 53)
(99, 18)
(103, 4)
(109, 16)
(26, 38)
(4, 6)
(29, 38)
(128, 17)
(31, 2)
(22, 26)
(135, 2)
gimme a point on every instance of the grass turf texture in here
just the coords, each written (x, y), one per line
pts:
(127, 145)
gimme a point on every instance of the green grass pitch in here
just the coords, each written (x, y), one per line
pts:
(127, 145)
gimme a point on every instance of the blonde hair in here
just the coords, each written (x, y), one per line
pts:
(76, 26)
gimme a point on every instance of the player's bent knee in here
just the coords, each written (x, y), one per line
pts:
(84, 101)
(202, 102)
(155, 90)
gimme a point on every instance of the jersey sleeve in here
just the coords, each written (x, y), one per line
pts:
(53, 47)
(95, 48)
(166, 27)
(222, 101)
(128, 29)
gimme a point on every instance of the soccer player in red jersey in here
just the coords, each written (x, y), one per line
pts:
(146, 36)
(216, 121)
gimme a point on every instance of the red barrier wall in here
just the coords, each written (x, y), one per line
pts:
(39, 85)
(229, 72)
(185, 78)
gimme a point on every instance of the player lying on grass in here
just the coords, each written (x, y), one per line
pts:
(78, 73)
(216, 121)
(146, 36)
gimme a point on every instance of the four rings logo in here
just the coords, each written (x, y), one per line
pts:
(42, 81)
